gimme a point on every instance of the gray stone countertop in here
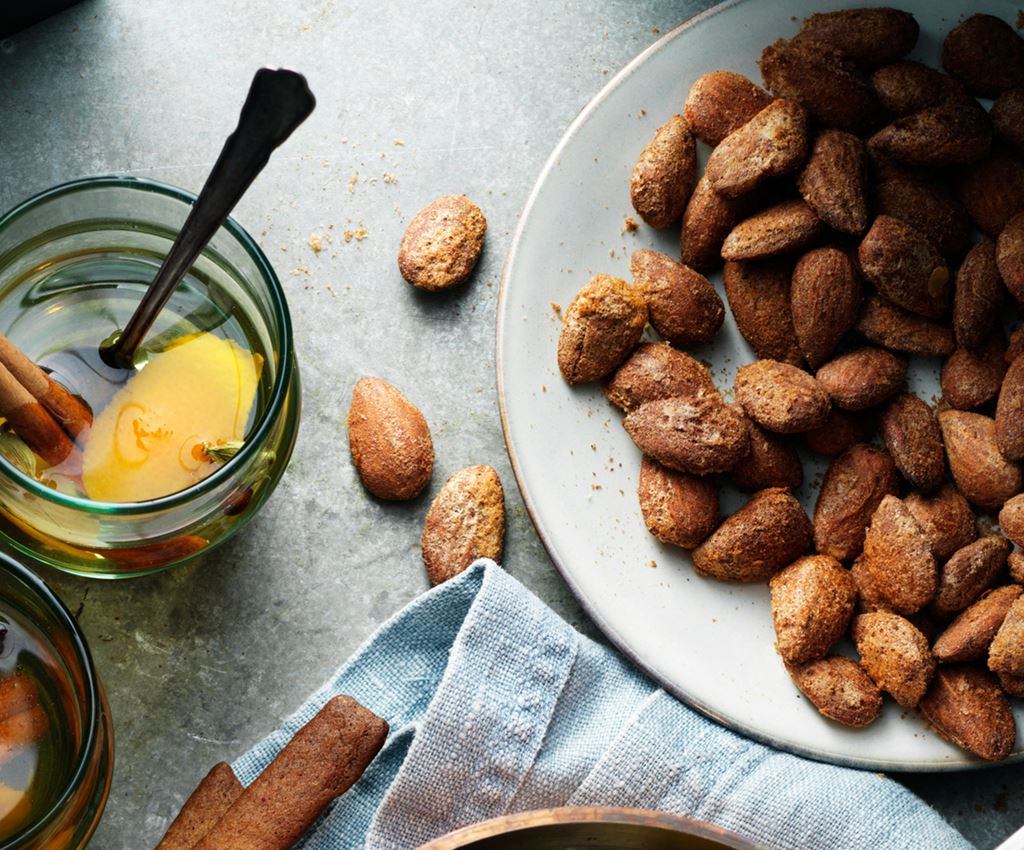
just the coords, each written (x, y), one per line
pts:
(417, 98)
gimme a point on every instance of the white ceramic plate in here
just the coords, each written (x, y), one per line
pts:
(709, 643)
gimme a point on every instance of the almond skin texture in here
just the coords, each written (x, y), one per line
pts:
(982, 474)
(759, 298)
(912, 436)
(819, 79)
(781, 397)
(905, 87)
(968, 637)
(442, 244)
(985, 54)
(905, 266)
(1007, 116)
(767, 533)
(677, 508)
(926, 205)
(655, 371)
(1013, 685)
(1015, 347)
(834, 181)
(772, 462)
(840, 689)
(721, 102)
(466, 521)
(682, 305)
(970, 379)
(951, 132)
(863, 377)
(1010, 255)
(868, 597)
(698, 434)
(781, 229)
(1009, 413)
(945, 518)
(664, 174)
(840, 431)
(867, 37)
(969, 573)
(898, 559)
(895, 655)
(1011, 519)
(772, 143)
(389, 440)
(825, 298)
(1006, 654)
(853, 487)
(708, 219)
(978, 296)
(1015, 565)
(600, 328)
(888, 325)
(812, 603)
(992, 190)
(966, 707)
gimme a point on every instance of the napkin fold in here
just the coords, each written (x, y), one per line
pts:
(497, 705)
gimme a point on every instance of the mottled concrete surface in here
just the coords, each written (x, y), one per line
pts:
(416, 99)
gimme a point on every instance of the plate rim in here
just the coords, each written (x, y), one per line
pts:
(965, 762)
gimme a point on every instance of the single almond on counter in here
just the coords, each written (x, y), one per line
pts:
(898, 559)
(389, 440)
(812, 603)
(780, 229)
(839, 432)
(655, 370)
(969, 572)
(664, 174)
(985, 54)
(442, 243)
(1010, 413)
(682, 304)
(466, 521)
(772, 462)
(905, 266)
(992, 190)
(780, 397)
(767, 533)
(886, 324)
(759, 298)
(824, 302)
(982, 474)
(945, 518)
(895, 655)
(867, 37)
(970, 379)
(834, 181)
(1010, 255)
(1011, 519)
(1006, 654)
(677, 508)
(908, 86)
(924, 204)
(910, 431)
(600, 328)
(968, 637)
(721, 102)
(708, 219)
(966, 707)
(840, 689)
(978, 296)
(863, 377)
(954, 131)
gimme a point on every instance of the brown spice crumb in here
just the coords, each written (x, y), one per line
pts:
(630, 225)
(399, 143)
(389, 177)
(652, 564)
(352, 183)
(556, 307)
(315, 243)
(359, 234)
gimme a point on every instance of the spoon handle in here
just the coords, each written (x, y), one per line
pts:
(278, 102)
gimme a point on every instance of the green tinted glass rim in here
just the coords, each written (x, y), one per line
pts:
(284, 351)
(93, 702)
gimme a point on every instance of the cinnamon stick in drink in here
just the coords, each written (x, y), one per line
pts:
(30, 420)
(74, 416)
(207, 804)
(322, 761)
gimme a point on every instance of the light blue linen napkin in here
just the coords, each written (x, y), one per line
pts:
(498, 705)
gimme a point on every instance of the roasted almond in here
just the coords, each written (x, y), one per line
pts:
(664, 174)
(682, 305)
(898, 559)
(708, 219)
(834, 181)
(945, 518)
(968, 637)
(466, 522)
(992, 190)
(867, 37)
(981, 473)
(1013, 685)
(772, 143)
(837, 433)
(825, 298)
(780, 397)
(600, 328)
(863, 377)
(853, 487)
(1006, 654)
(654, 371)
(1007, 114)
(772, 462)
(895, 655)
(721, 102)
(389, 440)
(966, 707)
(812, 602)
(677, 508)
(868, 597)
(978, 298)
(759, 298)
(969, 573)
(442, 243)
(767, 533)
(1009, 412)
(698, 434)
(985, 54)
(926, 205)
(970, 379)
(953, 131)
(1011, 519)
(1010, 256)
(912, 436)
(818, 78)
(1015, 347)
(884, 323)
(905, 267)
(1015, 565)
(840, 689)
(905, 87)
(780, 229)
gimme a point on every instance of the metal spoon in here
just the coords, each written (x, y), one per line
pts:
(278, 102)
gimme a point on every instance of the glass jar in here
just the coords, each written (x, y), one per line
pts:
(74, 261)
(70, 815)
